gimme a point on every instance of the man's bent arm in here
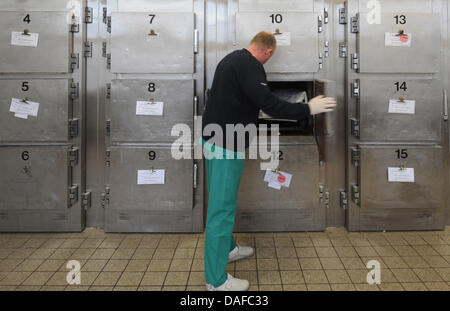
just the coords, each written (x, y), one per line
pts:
(254, 85)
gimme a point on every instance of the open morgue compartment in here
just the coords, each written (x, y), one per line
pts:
(290, 195)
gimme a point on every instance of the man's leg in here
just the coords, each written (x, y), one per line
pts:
(223, 186)
(233, 243)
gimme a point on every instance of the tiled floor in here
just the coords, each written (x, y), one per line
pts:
(331, 260)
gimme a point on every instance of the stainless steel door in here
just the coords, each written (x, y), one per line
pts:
(296, 208)
(135, 207)
(152, 42)
(52, 52)
(401, 205)
(51, 123)
(298, 53)
(33, 199)
(275, 6)
(423, 54)
(59, 5)
(178, 107)
(377, 124)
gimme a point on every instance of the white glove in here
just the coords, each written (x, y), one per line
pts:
(321, 104)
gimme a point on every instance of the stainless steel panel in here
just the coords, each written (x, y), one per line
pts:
(126, 126)
(170, 50)
(142, 208)
(422, 57)
(401, 206)
(156, 5)
(48, 5)
(52, 53)
(377, 124)
(26, 182)
(51, 124)
(303, 53)
(276, 6)
(416, 6)
(296, 208)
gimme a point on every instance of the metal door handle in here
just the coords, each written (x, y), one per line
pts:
(195, 106)
(196, 41)
(445, 106)
(195, 176)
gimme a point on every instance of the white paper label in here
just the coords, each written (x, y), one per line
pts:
(148, 177)
(276, 180)
(394, 39)
(144, 108)
(283, 39)
(21, 39)
(276, 186)
(22, 109)
(396, 174)
(21, 116)
(407, 106)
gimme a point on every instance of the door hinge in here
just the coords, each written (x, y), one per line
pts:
(74, 61)
(326, 48)
(105, 197)
(343, 49)
(86, 200)
(108, 61)
(325, 16)
(321, 191)
(108, 157)
(108, 90)
(355, 193)
(324, 195)
(88, 15)
(72, 195)
(320, 24)
(105, 15)
(108, 24)
(87, 49)
(355, 155)
(343, 16)
(73, 128)
(354, 24)
(72, 156)
(108, 127)
(320, 60)
(355, 127)
(355, 90)
(355, 61)
(75, 90)
(343, 199)
(74, 25)
(104, 49)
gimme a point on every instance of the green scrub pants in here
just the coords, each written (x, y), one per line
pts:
(223, 179)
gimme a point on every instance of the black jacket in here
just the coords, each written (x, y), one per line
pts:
(239, 91)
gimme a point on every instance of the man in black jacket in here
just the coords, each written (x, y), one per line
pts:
(238, 93)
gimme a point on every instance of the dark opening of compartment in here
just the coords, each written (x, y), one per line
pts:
(295, 92)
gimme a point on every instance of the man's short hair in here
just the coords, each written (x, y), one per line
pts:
(265, 40)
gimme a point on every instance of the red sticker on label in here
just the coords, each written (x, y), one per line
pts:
(281, 178)
(404, 38)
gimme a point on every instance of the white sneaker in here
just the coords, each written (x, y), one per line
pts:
(240, 252)
(231, 284)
